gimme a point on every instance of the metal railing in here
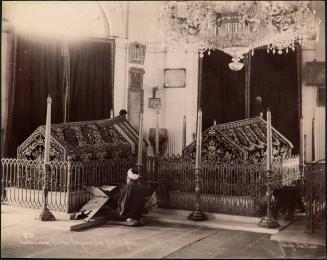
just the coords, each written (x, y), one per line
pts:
(22, 181)
(315, 200)
(232, 189)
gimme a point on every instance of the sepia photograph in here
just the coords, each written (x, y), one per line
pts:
(163, 129)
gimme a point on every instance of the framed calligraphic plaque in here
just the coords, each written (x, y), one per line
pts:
(136, 53)
(136, 78)
(315, 73)
(175, 78)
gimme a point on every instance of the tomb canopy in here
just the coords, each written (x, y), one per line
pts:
(83, 141)
(240, 141)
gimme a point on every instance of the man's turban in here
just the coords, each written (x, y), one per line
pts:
(131, 175)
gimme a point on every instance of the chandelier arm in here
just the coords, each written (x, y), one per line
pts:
(238, 27)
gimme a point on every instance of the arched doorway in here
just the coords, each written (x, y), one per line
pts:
(71, 18)
(56, 23)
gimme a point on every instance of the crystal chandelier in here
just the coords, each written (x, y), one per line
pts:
(237, 27)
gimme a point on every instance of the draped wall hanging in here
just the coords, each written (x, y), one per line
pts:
(226, 96)
(78, 75)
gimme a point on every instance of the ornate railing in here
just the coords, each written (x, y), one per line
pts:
(286, 172)
(22, 181)
(231, 189)
(225, 188)
(315, 200)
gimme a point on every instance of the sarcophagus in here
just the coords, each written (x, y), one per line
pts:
(240, 141)
(86, 140)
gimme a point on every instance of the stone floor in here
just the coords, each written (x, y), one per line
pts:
(241, 244)
(294, 233)
(23, 236)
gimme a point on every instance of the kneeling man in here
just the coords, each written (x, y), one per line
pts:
(131, 204)
(132, 200)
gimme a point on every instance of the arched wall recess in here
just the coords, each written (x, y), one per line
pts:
(63, 21)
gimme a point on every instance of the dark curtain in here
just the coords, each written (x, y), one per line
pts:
(36, 71)
(274, 78)
(91, 80)
(222, 90)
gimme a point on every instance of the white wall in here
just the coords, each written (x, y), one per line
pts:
(320, 115)
(139, 21)
(181, 101)
(131, 21)
(143, 26)
(314, 51)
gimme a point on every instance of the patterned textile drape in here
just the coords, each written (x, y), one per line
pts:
(91, 78)
(275, 79)
(81, 89)
(36, 71)
(222, 90)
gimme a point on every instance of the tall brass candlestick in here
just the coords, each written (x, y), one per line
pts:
(198, 215)
(268, 221)
(157, 131)
(184, 133)
(313, 146)
(46, 215)
(140, 146)
(269, 141)
(199, 132)
(305, 148)
(47, 132)
(301, 159)
(198, 141)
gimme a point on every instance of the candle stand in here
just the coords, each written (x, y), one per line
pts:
(45, 214)
(268, 221)
(196, 214)
(140, 147)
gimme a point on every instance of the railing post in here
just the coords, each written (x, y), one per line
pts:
(311, 186)
(3, 179)
(308, 198)
(156, 172)
(69, 174)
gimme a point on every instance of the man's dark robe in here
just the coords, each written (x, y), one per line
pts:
(131, 203)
